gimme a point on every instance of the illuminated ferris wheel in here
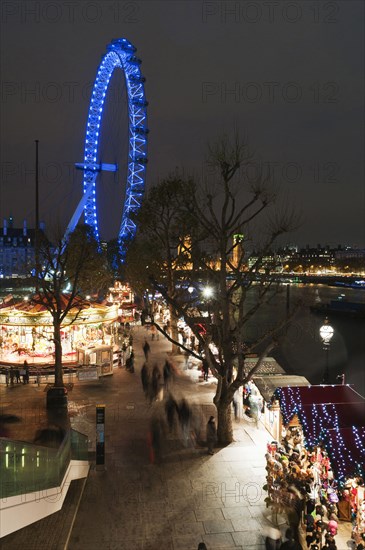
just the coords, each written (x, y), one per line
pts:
(120, 54)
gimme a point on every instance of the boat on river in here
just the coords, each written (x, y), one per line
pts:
(343, 308)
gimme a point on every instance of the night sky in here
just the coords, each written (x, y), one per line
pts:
(289, 75)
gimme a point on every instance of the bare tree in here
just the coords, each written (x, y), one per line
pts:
(235, 214)
(66, 273)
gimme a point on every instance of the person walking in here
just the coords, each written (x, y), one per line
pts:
(205, 368)
(171, 409)
(26, 368)
(156, 377)
(273, 538)
(145, 379)
(130, 362)
(235, 408)
(290, 543)
(192, 342)
(7, 377)
(211, 435)
(25, 373)
(185, 415)
(17, 375)
(167, 374)
(11, 375)
(146, 349)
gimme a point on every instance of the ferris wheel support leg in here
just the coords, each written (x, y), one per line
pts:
(76, 216)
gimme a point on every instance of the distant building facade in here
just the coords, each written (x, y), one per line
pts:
(17, 256)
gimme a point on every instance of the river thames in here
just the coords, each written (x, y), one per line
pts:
(300, 349)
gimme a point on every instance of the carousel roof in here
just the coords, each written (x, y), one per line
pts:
(14, 312)
(332, 414)
(37, 303)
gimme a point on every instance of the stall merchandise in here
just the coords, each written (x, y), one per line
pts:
(319, 464)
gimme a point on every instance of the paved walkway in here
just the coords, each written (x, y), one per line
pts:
(187, 498)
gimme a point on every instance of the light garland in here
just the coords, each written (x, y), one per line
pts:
(321, 422)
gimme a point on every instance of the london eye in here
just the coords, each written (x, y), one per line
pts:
(120, 55)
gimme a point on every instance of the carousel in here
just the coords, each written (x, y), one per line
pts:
(26, 331)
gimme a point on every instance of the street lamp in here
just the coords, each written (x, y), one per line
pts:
(207, 292)
(326, 333)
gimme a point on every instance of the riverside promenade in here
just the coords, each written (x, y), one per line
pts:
(187, 497)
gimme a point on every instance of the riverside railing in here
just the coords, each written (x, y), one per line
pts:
(27, 468)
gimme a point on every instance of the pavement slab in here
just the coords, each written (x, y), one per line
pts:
(219, 540)
(218, 526)
(248, 538)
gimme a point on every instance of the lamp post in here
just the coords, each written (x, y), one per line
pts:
(326, 333)
(208, 294)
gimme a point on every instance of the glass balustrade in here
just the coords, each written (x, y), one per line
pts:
(27, 468)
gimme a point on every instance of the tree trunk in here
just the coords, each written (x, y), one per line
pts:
(224, 430)
(58, 354)
(174, 332)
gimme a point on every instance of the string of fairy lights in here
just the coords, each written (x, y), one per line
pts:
(321, 426)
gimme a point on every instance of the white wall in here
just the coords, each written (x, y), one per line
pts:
(22, 510)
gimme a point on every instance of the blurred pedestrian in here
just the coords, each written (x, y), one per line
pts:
(11, 375)
(130, 362)
(156, 379)
(211, 435)
(153, 332)
(17, 375)
(155, 440)
(192, 345)
(235, 408)
(237, 404)
(290, 543)
(205, 368)
(146, 349)
(25, 372)
(145, 379)
(7, 377)
(26, 366)
(202, 546)
(184, 413)
(273, 538)
(167, 373)
(171, 409)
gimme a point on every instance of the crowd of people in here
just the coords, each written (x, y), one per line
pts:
(171, 417)
(17, 375)
(301, 483)
(176, 419)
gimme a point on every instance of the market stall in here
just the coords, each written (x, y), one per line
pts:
(96, 360)
(316, 467)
